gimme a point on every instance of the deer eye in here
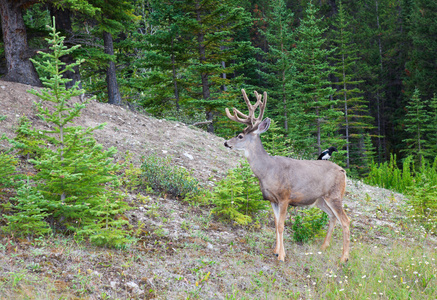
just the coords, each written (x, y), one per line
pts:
(240, 136)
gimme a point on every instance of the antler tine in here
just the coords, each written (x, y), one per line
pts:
(235, 117)
(250, 119)
(261, 108)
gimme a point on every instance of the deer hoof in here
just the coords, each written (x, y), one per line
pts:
(276, 254)
(344, 260)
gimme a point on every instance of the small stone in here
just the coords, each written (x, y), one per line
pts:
(188, 155)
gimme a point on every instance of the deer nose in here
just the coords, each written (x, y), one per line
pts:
(226, 145)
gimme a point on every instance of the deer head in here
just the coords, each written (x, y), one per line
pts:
(255, 125)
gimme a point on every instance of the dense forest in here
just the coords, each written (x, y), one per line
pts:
(359, 75)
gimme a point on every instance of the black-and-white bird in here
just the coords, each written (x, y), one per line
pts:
(326, 154)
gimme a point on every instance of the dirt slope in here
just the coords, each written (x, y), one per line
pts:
(182, 250)
(195, 149)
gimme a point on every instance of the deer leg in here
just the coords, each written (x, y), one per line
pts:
(332, 221)
(280, 230)
(337, 209)
(275, 208)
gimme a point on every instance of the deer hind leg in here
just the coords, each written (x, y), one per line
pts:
(337, 208)
(332, 221)
(280, 211)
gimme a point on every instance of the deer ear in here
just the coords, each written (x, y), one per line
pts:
(263, 126)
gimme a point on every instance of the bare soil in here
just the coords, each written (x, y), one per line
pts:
(183, 251)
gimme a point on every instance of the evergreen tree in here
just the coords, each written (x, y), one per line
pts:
(159, 66)
(355, 120)
(209, 34)
(422, 67)
(432, 127)
(279, 65)
(416, 121)
(75, 178)
(313, 111)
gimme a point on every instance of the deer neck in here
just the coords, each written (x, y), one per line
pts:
(256, 156)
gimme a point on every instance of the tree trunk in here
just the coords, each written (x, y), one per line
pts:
(17, 54)
(63, 24)
(111, 80)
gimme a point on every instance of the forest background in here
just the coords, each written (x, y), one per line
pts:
(358, 75)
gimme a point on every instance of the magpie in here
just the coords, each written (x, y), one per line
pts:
(325, 155)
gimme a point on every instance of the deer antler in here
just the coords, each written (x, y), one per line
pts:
(250, 119)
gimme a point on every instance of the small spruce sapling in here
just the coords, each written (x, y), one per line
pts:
(75, 175)
(28, 220)
(238, 196)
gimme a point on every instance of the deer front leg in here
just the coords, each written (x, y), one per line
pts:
(280, 211)
(275, 207)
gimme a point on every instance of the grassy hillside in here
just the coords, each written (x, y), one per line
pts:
(184, 252)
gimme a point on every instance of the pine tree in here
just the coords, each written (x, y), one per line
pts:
(209, 34)
(75, 175)
(422, 67)
(279, 65)
(313, 111)
(158, 80)
(356, 119)
(432, 128)
(416, 121)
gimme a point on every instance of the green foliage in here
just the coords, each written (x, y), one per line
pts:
(388, 175)
(238, 197)
(355, 120)
(108, 225)
(7, 169)
(308, 223)
(76, 180)
(280, 65)
(419, 184)
(29, 213)
(416, 121)
(276, 143)
(26, 141)
(423, 202)
(165, 178)
(313, 112)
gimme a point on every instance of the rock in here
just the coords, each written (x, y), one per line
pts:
(188, 155)
(113, 284)
(134, 288)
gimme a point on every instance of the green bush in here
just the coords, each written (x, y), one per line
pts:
(28, 217)
(308, 223)
(7, 169)
(238, 196)
(418, 184)
(164, 178)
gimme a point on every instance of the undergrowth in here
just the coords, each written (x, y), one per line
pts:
(419, 184)
(164, 177)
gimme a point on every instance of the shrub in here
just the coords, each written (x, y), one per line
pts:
(28, 219)
(238, 196)
(418, 184)
(165, 178)
(308, 223)
(7, 169)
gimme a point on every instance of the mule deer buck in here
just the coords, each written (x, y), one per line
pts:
(285, 181)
